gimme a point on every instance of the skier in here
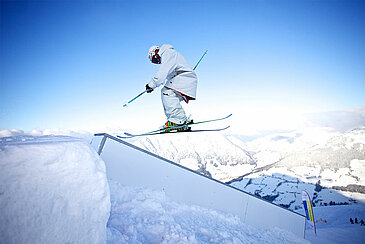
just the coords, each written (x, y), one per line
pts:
(181, 84)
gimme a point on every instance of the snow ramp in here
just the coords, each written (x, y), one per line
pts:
(133, 166)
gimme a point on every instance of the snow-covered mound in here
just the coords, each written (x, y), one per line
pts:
(53, 189)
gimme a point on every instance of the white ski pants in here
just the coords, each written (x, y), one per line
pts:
(171, 104)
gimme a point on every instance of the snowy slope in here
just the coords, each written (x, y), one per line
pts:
(334, 225)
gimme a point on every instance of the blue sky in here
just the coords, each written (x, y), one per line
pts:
(73, 64)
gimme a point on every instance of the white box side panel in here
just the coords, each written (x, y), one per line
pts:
(133, 167)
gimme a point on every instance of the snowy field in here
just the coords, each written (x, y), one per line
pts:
(53, 189)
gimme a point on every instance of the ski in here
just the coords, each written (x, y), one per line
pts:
(162, 131)
(128, 135)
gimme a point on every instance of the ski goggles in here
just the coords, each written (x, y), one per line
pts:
(155, 58)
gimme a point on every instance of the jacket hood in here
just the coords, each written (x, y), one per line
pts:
(165, 47)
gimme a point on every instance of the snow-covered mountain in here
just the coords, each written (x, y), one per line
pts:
(335, 161)
(211, 154)
(328, 162)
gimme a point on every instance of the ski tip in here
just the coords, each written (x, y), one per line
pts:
(125, 137)
(225, 128)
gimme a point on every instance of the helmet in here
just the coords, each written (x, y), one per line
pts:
(153, 55)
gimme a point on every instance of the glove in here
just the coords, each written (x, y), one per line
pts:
(149, 89)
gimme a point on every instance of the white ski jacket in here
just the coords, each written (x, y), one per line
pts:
(176, 70)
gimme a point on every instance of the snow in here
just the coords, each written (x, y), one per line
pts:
(285, 186)
(190, 163)
(358, 170)
(340, 177)
(141, 215)
(53, 189)
(337, 228)
(308, 172)
(209, 151)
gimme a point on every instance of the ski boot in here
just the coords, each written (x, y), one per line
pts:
(168, 124)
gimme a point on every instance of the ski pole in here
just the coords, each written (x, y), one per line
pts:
(125, 105)
(200, 60)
